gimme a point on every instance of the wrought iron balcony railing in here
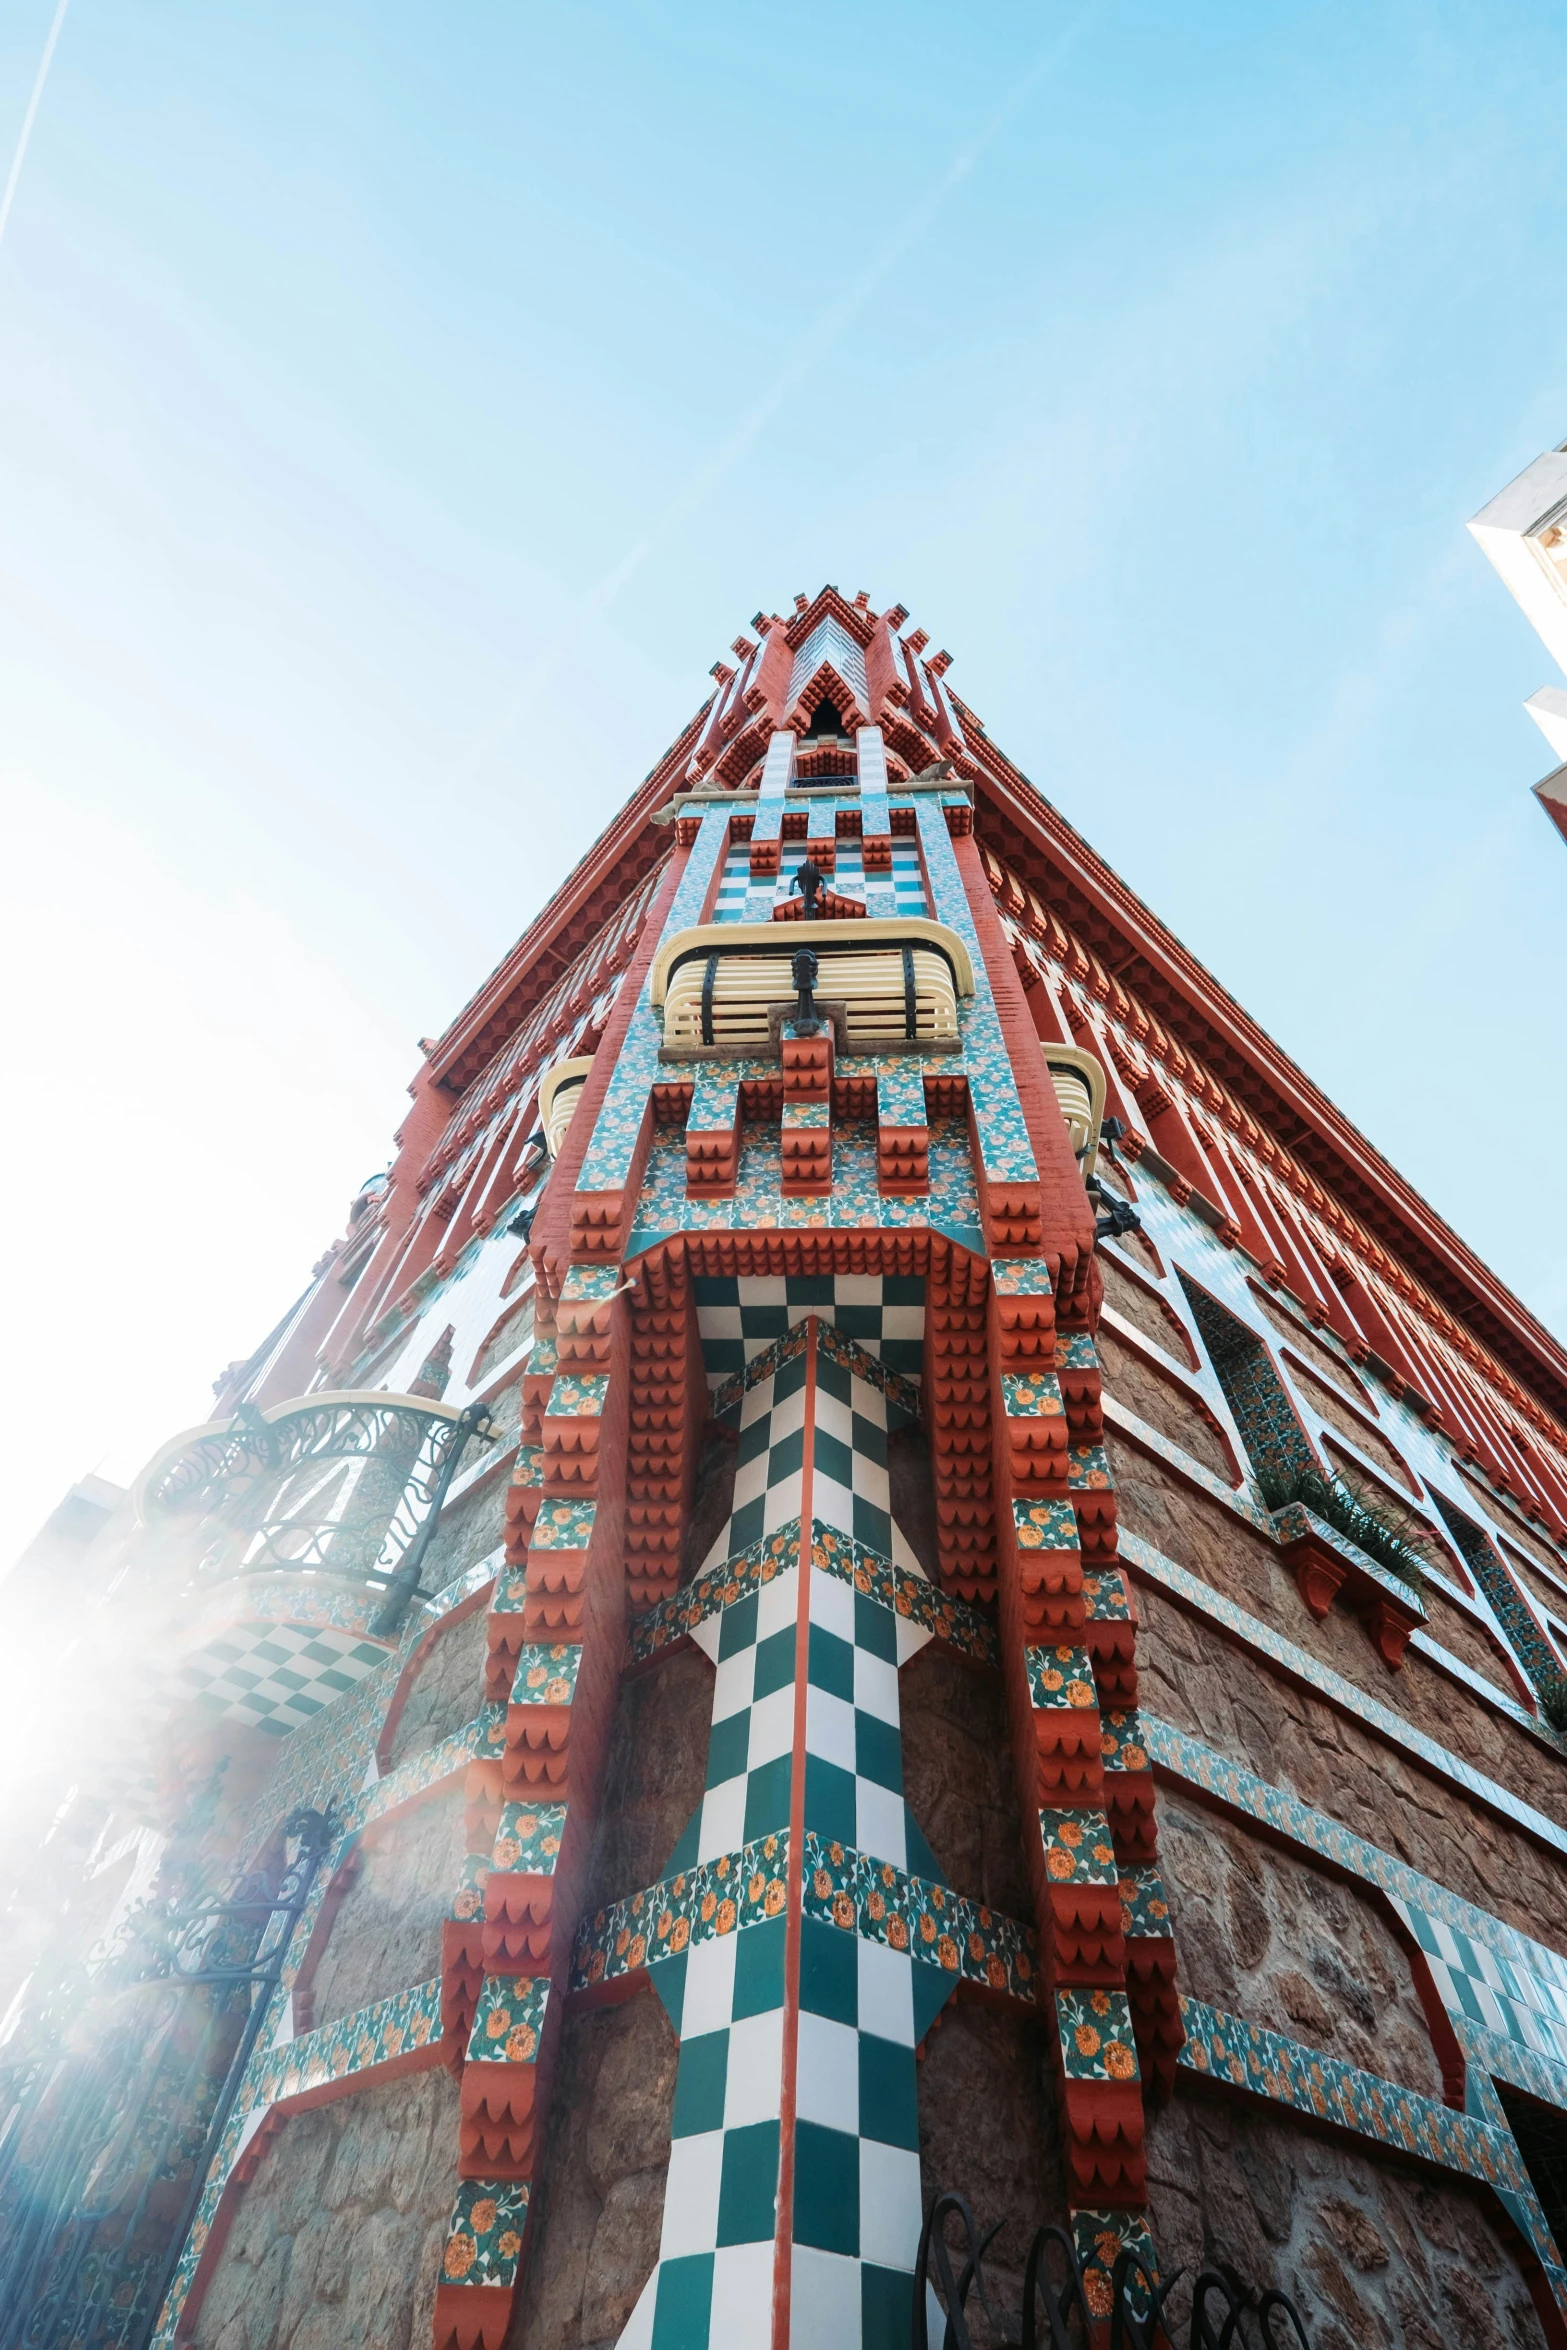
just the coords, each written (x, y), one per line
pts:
(1058, 2312)
(345, 1486)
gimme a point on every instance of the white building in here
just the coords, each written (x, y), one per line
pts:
(1524, 532)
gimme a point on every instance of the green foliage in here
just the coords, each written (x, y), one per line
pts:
(1393, 1541)
(1552, 1691)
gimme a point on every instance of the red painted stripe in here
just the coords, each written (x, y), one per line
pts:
(783, 2243)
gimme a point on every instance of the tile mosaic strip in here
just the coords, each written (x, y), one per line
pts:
(1145, 1905)
(1106, 1599)
(839, 1886)
(1095, 2031)
(484, 1735)
(998, 1113)
(860, 1894)
(1222, 2047)
(528, 1838)
(1333, 1686)
(1513, 2061)
(546, 1675)
(900, 1095)
(1090, 1469)
(1032, 1395)
(839, 1347)
(920, 1602)
(1526, 1980)
(564, 1525)
(618, 1127)
(1078, 1847)
(1030, 1277)
(508, 2021)
(1060, 1679)
(715, 1100)
(1100, 2238)
(782, 1350)
(709, 1594)
(1045, 1525)
(1121, 1741)
(951, 1206)
(589, 1284)
(577, 1395)
(907, 1595)
(484, 2234)
(373, 2035)
(691, 1906)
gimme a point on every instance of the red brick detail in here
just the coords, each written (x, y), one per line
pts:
(502, 2104)
(830, 907)
(597, 1226)
(472, 2317)
(668, 1398)
(807, 1162)
(1156, 2016)
(876, 852)
(902, 1160)
(807, 1067)
(764, 859)
(713, 1160)
(462, 1971)
(957, 1393)
(1104, 2142)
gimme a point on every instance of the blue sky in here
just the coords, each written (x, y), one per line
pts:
(401, 408)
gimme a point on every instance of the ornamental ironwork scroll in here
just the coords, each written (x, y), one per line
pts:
(346, 1486)
(1056, 2310)
(115, 2091)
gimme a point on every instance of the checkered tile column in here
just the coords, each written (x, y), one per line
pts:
(792, 2210)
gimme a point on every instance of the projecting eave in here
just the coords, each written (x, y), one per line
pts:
(1132, 942)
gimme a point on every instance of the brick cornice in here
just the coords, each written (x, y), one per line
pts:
(1134, 944)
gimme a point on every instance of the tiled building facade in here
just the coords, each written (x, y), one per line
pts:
(851, 1669)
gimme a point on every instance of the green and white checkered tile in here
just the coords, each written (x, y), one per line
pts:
(738, 1319)
(886, 895)
(273, 1677)
(1527, 2004)
(856, 2213)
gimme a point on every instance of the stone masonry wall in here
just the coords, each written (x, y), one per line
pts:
(447, 1690)
(594, 2230)
(957, 1777)
(1163, 1403)
(987, 2123)
(1375, 2257)
(1200, 1534)
(1208, 1684)
(1271, 1938)
(337, 2240)
(655, 1774)
(386, 1935)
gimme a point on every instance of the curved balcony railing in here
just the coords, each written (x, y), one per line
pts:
(886, 984)
(347, 1486)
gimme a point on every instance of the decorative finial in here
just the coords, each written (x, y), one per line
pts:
(808, 880)
(804, 969)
